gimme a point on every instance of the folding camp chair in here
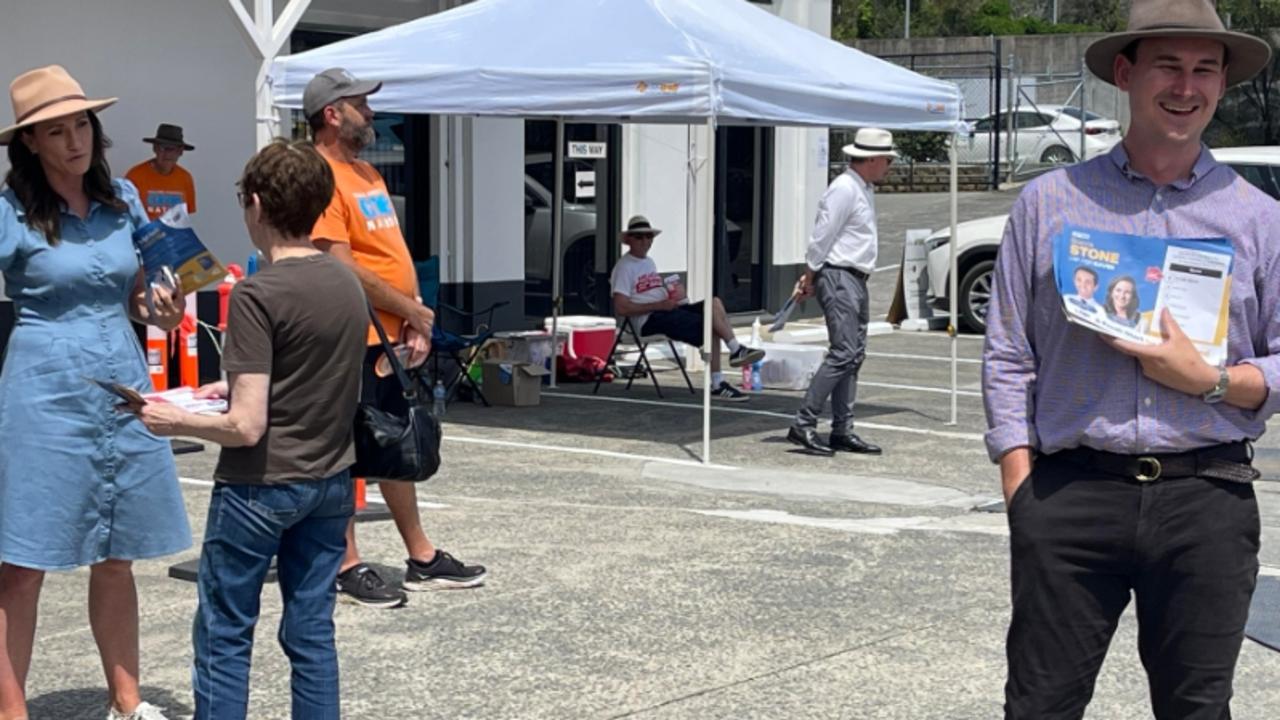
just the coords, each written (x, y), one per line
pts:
(459, 349)
(628, 328)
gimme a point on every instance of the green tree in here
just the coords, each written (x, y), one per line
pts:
(1256, 102)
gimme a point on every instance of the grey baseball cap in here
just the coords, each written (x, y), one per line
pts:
(332, 85)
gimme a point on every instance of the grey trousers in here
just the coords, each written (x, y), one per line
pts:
(844, 301)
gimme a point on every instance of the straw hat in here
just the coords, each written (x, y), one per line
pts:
(44, 94)
(639, 225)
(1246, 54)
(871, 142)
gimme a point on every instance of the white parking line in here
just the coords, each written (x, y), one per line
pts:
(920, 388)
(770, 413)
(584, 451)
(372, 496)
(909, 356)
(887, 267)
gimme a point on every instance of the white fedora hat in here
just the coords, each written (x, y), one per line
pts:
(871, 142)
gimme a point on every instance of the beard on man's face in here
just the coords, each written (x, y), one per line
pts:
(358, 137)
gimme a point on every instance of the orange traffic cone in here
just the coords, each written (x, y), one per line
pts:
(157, 359)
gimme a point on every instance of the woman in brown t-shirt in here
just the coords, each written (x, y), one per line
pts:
(294, 347)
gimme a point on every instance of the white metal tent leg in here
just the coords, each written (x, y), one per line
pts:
(708, 257)
(953, 281)
(557, 222)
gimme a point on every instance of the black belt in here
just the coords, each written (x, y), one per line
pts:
(1229, 461)
(864, 276)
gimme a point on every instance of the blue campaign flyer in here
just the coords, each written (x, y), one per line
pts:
(1119, 284)
(169, 242)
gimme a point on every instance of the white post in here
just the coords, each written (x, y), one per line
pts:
(266, 35)
(708, 282)
(953, 281)
(557, 234)
(906, 22)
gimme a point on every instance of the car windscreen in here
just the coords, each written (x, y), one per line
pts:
(1263, 177)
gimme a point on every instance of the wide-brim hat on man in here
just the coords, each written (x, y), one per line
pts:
(167, 134)
(332, 85)
(1246, 54)
(639, 225)
(44, 94)
(870, 143)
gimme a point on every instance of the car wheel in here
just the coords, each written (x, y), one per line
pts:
(975, 295)
(1057, 155)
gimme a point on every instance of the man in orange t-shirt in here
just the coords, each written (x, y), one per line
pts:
(161, 182)
(360, 228)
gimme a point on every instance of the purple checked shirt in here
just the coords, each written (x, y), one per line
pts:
(1051, 385)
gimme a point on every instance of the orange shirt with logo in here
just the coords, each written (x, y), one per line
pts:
(361, 215)
(161, 192)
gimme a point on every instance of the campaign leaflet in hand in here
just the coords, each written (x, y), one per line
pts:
(169, 242)
(1119, 284)
(183, 397)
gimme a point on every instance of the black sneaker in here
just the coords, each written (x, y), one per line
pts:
(745, 356)
(729, 393)
(444, 572)
(361, 585)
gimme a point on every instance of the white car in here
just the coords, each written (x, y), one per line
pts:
(979, 240)
(1043, 134)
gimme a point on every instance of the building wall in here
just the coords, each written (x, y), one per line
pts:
(149, 54)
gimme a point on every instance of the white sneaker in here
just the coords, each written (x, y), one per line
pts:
(144, 711)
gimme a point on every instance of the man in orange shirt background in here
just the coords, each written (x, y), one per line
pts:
(161, 182)
(360, 228)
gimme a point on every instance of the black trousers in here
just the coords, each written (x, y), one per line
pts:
(1082, 543)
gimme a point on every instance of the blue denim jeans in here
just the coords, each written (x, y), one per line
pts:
(304, 525)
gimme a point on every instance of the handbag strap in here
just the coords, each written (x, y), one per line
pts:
(405, 384)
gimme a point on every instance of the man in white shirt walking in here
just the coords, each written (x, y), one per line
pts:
(840, 259)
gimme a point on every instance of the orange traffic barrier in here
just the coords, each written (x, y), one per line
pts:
(188, 346)
(361, 502)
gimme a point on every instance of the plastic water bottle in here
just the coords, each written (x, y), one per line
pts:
(756, 383)
(746, 378)
(755, 332)
(437, 395)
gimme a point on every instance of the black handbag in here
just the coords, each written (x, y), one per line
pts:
(391, 447)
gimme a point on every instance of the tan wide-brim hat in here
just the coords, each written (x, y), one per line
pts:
(44, 94)
(870, 143)
(1246, 54)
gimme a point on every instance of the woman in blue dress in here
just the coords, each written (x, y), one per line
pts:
(80, 483)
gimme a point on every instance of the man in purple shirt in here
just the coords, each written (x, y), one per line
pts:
(1126, 467)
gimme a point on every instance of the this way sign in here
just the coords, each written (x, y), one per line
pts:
(589, 150)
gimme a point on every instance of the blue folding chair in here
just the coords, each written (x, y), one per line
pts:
(458, 348)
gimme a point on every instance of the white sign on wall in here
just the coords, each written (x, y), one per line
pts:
(588, 150)
(584, 184)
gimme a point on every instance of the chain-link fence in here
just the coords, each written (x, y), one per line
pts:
(1020, 121)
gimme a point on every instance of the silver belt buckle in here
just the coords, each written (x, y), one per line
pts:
(1148, 469)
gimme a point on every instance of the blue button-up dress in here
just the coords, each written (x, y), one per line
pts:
(80, 482)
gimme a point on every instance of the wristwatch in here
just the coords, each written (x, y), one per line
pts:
(1219, 391)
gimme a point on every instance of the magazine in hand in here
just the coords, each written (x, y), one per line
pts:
(1119, 285)
(183, 397)
(169, 242)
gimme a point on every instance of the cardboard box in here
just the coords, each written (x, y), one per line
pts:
(513, 383)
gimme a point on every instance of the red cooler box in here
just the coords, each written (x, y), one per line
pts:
(588, 335)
